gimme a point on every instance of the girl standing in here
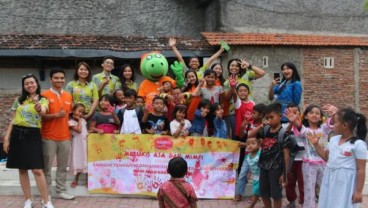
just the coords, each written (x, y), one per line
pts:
(83, 90)
(191, 81)
(180, 126)
(119, 100)
(23, 141)
(78, 154)
(106, 120)
(219, 77)
(288, 90)
(346, 156)
(313, 165)
(127, 78)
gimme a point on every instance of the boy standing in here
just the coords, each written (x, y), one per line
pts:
(131, 116)
(274, 156)
(176, 192)
(156, 122)
(105, 81)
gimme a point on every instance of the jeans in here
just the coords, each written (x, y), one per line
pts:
(242, 180)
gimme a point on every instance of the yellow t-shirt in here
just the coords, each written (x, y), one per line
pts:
(26, 114)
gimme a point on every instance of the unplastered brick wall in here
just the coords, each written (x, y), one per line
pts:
(335, 85)
(6, 101)
(363, 81)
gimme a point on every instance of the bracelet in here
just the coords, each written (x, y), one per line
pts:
(250, 67)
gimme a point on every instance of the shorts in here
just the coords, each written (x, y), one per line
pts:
(269, 185)
(255, 188)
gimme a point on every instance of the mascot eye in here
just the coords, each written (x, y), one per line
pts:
(149, 57)
(152, 65)
(158, 56)
(162, 64)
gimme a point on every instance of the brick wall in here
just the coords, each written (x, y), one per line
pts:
(363, 81)
(334, 86)
(6, 101)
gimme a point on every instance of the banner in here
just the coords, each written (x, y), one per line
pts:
(137, 164)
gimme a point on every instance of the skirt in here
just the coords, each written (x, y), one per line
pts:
(25, 149)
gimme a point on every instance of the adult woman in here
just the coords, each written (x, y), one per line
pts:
(288, 90)
(23, 141)
(83, 90)
(127, 78)
(245, 73)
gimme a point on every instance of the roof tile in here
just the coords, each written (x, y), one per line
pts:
(214, 38)
(114, 43)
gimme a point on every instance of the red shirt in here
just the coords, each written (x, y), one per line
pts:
(176, 192)
(243, 110)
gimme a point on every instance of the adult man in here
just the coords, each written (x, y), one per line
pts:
(105, 81)
(55, 132)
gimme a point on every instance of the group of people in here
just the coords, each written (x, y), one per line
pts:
(206, 105)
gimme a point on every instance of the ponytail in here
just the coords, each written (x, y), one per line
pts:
(361, 126)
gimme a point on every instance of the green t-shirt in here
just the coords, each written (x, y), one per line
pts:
(83, 93)
(26, 114)
(113, 85)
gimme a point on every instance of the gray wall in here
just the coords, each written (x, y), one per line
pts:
(111, 17)
(325, 16)
(276, 57)
(180, 17)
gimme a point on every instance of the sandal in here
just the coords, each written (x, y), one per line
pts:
(237, 199)
(73, 184)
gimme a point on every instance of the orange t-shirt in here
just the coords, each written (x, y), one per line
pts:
(193, 105)
(218, 82)
(57, 129)
(148, 89)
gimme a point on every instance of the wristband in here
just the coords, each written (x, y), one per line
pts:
(250, 67)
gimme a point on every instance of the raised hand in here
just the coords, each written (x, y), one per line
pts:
(292, 116)
(172, 42)
(313, 137)
(243, 64)
(330, 109)
(202, 82)
(233, 80)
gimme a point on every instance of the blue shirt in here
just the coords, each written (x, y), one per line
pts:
(286, 93)
(220, 130)
(198, 123)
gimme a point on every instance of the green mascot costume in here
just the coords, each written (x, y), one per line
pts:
(154, 68)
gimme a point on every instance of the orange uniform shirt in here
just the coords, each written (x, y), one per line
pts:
(57, 129)
(148, 89)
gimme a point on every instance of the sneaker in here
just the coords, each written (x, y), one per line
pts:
(291, 205)
(28, 204)
(47, 205)
(65, 196)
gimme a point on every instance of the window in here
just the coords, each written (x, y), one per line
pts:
(265, 61)
(328, 62)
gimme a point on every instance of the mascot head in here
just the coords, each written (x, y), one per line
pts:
(154, 66)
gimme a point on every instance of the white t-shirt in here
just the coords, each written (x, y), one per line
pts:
(130, 123)
(174, 125)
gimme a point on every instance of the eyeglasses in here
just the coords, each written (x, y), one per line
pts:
(109, 62)
(28, 75)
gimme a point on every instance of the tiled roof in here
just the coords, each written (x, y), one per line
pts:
(284, 39)
(114, 43)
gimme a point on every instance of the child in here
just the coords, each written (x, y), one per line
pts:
(199, 121)
(119, 100)
(274, 155)
(106, 120)
(219, 77)
(191, 81)
(346, 155)
(252, 159)
(176, 192)
(156, 122)
(220, 130)
(78, 154)
(139, 101)
(296, 173)
(241, 182)
(313, 165)
(131, 116)
(180, 126)
(166, 87)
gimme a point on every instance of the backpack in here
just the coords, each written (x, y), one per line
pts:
(293, 146)
(138, 111)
